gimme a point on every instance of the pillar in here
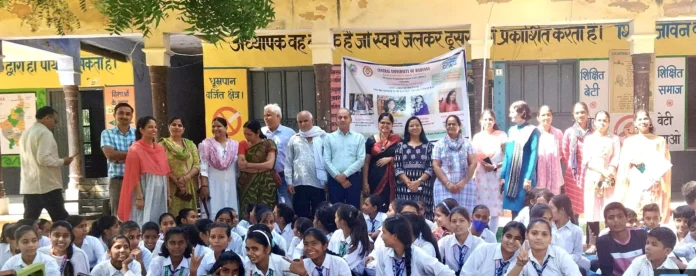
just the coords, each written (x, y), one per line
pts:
(69, 76)
(157, 56)
(642, 40)
(322, 59)
(481, 43)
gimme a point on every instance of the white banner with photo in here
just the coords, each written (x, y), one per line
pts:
(432, 90)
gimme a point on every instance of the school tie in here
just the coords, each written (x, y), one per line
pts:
(500, 267)
(463, 249)
(343, 249)
(373, 226)
(543, 266)
(398, 267)
(320, 270)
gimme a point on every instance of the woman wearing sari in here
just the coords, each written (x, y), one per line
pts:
(549, 171)
(637, 149)
(257, 180)
(488, 145)
(414, 166)
(184, 163)
(600, 160)
(454, 163)
(378, 171)
(218, 170)
(518, 174)
(145, 177)
(573, 141)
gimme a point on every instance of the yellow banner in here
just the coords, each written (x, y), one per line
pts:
(225, 92)
(114, 95)
(97, 71)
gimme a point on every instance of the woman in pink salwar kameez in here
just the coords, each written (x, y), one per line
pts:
(489, 143)
(549, 171)
(600, 160)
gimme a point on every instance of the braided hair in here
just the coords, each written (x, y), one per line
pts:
(400, 227)
(69, 269)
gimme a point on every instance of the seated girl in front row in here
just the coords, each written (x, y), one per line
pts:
(539, 257)
(319, 260)
(265, 257)
(456, 249)
(120, 259)
(28, 243)
(72, 260)
(493, 259)
(175, 257)
(228, 264)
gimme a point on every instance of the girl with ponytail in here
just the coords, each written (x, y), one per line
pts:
(265, 257)
(318, 260)
(187, 216)
(104, 229)
(71, 260)
(351, 240)
(423, 238)
(399, 258)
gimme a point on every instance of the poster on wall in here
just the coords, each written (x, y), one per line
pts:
(432, 90)
(17, 112)
(225, 92)
(621, 81)
(114, 95)
(594, 85)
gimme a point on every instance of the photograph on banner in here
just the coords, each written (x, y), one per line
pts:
(431, 90)
(225, 95)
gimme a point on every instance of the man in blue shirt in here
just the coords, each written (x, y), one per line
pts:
(115, 143)
(344, 154)
(280, 134)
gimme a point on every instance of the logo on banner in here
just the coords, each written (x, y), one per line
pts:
(352, 68)
(233, 117)
(450, 62)
(367, 71)
(624, 126)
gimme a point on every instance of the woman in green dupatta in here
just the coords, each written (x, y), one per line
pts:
(256, 160)
(182, 155)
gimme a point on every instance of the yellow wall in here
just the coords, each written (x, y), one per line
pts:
(96, 72)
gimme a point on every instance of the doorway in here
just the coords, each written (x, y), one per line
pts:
(93, 122)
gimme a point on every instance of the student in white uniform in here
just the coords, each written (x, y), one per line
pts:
(658, 254)
(245, 221)
(533, 197)
(104, 229)
(43, 240)
(142, 255)
(442, 212)
(28, 243)
(350, 241)
(264, 215)
(493, 259)
(284, 217)
(121, 261)
(71, 260)
(194, 238)
(218, 239)
(373, 217)
(457, 248)
(186, 216)
(166, 221)
(423, 237)
(228, 215)
(481, 216)
(421, 212)
(8, 244)
(538, 257)
(566, 232)
(175, 257)
(228, 264)
(91, 245)
(296, 247)
(318, 261)
(399, 258)
(264, 257)
(325, 219)
(151, 240)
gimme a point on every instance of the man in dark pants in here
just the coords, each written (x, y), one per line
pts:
(304, 166)
(41, 180)
(344, 154)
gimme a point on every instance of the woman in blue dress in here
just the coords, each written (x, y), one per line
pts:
(518, 173)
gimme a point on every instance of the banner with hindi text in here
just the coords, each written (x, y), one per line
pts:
(225, 92)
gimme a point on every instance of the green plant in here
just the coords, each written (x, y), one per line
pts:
(54, 13)
(213, 20)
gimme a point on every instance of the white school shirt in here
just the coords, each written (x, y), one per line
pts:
(201, 250)
(292, 247)
(686, 248)
(275, 263)
(240, 230)
(332, 266)
(426, 246)
(50, 265)
(286, 233)
(156, 251)
(560, 263)
(44, 241)
(79, 259)
(207, 263)
(298, 251)
(105, 268)
(375, 224)
(523, 216)
(488, 236)
(449, 249)
(244, 223)
(237, 245)
(692, 264)
(279, 240)
(430, 224)
(487, 258)
(147, 256)
(161, 265)
(641, 266)
(421, 264)
(354, 259)
(569, 237)
(94, 249)
(5, 253)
